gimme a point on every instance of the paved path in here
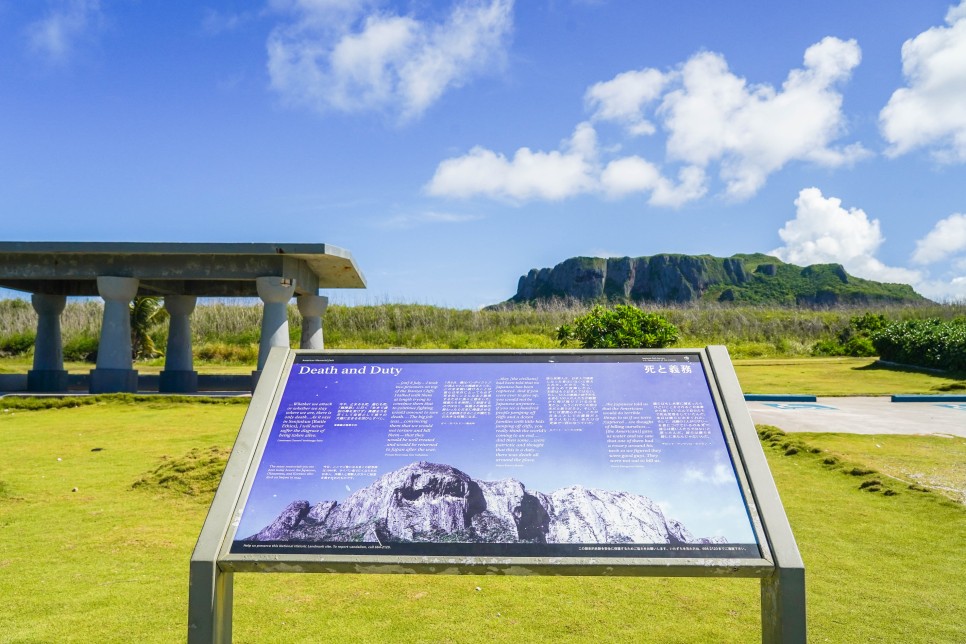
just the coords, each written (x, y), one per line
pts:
(863, 415)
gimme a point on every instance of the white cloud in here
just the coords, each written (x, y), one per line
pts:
(714, 121)
(572, 170)
(623, 98)
(551, 176)
(952, 290)
(714, 116)
(628, 175)
(66, 24)
(632, 174)
(824, 232)
(929, 111)
(948, 237)
(346, 55)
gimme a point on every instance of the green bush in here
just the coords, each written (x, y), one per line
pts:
(855, 339)
(860, 347)
(828, 348)
(930, 343)
(82, 348)
(17, 344)
(865, 324)
(623, 327)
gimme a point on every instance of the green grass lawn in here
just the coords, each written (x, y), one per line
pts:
(816, 376)
(934, 462)
(22, 364)
(87, 555)
(840, 377)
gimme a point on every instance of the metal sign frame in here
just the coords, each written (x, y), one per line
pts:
(779, 567)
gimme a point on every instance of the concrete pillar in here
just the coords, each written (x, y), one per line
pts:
(48, 374)
(275, 293)
(114, 353)
(312, 308)
(179, 375)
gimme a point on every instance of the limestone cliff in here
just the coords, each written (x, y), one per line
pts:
(752, 279)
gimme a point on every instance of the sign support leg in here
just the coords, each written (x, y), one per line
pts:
(783, 607)
(209, 604)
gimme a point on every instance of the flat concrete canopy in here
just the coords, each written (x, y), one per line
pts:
(198, 269)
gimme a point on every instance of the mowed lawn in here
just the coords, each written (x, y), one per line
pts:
(841, 377)
(836, 376)
(87, 556)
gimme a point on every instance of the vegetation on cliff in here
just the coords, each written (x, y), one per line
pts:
(678, 279)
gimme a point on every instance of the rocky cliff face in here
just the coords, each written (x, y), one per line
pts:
(431, 502)
(687, 278)
(663, 278)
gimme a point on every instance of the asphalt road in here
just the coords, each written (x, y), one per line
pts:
(863, 415)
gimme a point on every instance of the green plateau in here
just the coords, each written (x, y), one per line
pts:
(754, 279)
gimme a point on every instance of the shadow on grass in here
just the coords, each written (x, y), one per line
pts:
(881, 365)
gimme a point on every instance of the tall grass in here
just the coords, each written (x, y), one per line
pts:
(227, 331)
(79, 318)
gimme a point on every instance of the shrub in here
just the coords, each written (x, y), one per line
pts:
(827, 348)
(865, 324)
(855, 339)
(17, 344)
(860, 346)
(81, 348)
(929, 343)
(623, 327)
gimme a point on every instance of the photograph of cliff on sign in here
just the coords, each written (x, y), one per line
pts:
(438, 503)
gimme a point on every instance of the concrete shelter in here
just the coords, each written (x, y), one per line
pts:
(179, 273)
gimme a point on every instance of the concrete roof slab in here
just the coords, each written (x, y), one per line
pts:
(203, 269)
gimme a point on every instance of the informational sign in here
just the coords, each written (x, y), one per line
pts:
(635, 462)
(536, 455)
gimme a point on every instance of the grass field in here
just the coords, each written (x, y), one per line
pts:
(100, 506)
(816, 376)
(840, 377)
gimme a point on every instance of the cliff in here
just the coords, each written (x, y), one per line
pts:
(748, 279)
(429, 502)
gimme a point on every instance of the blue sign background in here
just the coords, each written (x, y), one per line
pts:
(695, 484)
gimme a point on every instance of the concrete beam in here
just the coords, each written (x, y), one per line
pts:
(68, 268)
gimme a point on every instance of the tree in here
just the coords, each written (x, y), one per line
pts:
(623, 327)
(146, 314)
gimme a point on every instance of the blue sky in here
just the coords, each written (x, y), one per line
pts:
(453, 145)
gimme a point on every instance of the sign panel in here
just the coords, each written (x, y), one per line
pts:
(543, 455)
